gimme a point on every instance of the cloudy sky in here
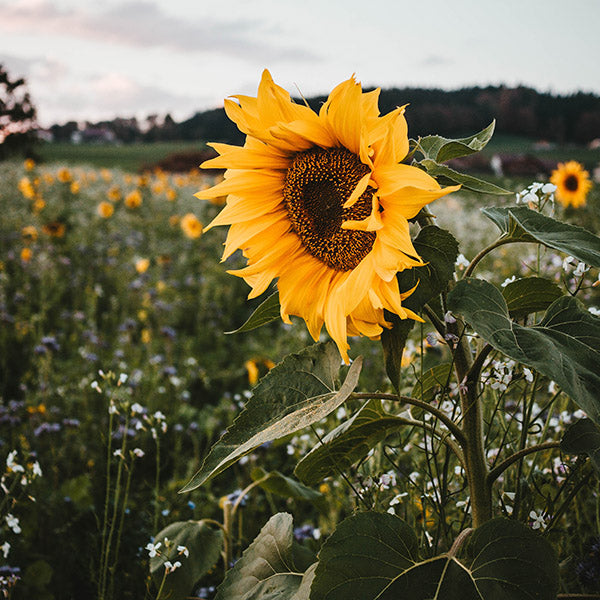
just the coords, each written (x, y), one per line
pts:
(97, 59)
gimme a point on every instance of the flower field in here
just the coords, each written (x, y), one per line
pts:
(116, 378)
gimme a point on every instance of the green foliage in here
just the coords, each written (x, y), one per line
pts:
(529, 295)
(375, 555)
(267, 312)
(450, 176)
(204, 544)
(298, 392)
(266, 569)
(522, 224)
(583, 437)
(567, 331)
(347, 444)
(438, 249)
(441, 149)
(286, 487)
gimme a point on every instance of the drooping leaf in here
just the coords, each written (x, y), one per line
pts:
(564, 345)
(204, 544)
(286, 487)
(523, 224)
(441, 149)
(373, 556)
(299, 391)
(266, 312)
(583, 437)
(303, 592)
(266, 570)
(347, 444)
(438, 249)
(529, 295)
(447, 175)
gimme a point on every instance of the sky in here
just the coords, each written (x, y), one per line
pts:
(94, 60)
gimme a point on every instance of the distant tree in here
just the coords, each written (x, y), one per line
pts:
(17, 117)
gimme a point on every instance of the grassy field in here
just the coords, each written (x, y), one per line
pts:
(133, 157)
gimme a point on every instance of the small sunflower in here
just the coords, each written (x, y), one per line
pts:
(321, 202)
(572, 183)
(54, 229)
(133, 199)
(191, 226)
(105, 209)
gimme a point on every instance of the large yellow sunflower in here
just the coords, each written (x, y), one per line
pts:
(572, 183)
(321, 202)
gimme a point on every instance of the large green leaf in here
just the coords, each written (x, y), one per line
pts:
(204, 545)
(441, 149)
(347, 444)
(266, 570)
(564, 345)
(266, 312)
(438, 248)
(523, 224)
(583, 437)
(299, 391)
(529, 295)
(432, 381)
(373, 556)
(447, 175)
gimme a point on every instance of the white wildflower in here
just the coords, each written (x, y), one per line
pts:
(137, 409)
(461, 261)
(138, 452)
(152, 549)
(538, 520)
(12, 465)
(548, 188)
(13, 523)
(509, 280)
(5, 548)
(183, 550)
(528, 374)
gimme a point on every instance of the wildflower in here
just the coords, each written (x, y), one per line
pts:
(138, 452)
(252, 369)
(114, 194)
(191, 226)
(171, 194)
(94, 385)
(528, 374)
(142, 264)
(106, 175)
(29, 232)
(105, 209)
(183, 550)
(170, 567)
(321, 202)
(509, 280)
(145, 336)
(137, 408)
(572, 183)
(537, 520)
(152, 549)
(118, 453)
(75, 187)
(29, 164)
(36, 469)
(12, 465)
(13, 523)
(580, 270)
(26, 254)
(54, 229)
(64, 175)
(133, 199)
(26, 188)
(5, 548)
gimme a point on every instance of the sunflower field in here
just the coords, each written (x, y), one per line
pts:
(149, 454)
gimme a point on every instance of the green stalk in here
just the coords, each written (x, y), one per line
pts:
(106, 501)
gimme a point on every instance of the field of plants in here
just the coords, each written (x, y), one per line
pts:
(117, 377)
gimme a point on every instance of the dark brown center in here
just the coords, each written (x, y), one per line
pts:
(571, 183)
(317, 185)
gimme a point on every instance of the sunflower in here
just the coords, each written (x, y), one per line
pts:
(54, 229)
(572, 183)
(191, 226)
(105, 209)
(321, 202)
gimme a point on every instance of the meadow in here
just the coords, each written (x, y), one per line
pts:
(116, 377)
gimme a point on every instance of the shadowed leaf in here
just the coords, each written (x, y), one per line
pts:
(299, 391)
(373, 556)
(266, 312)
(564, 345)
(447, 175)
(583, 437)
(529, 295)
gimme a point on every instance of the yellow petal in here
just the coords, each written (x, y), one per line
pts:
(393, 177)
(408, 201)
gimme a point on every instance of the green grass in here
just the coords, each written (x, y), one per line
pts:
(128, 157)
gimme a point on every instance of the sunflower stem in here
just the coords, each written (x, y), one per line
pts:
(472, 443)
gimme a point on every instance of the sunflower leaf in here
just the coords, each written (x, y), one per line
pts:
(525, 225)
(530, 294)
(447, 175)
(441, 149)
(204, 544)
(583, 437)
(266, 312)
(374, 555)
(286, 487)
(347, 444)
(299, 391)
(564, 345)
(266, 569)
